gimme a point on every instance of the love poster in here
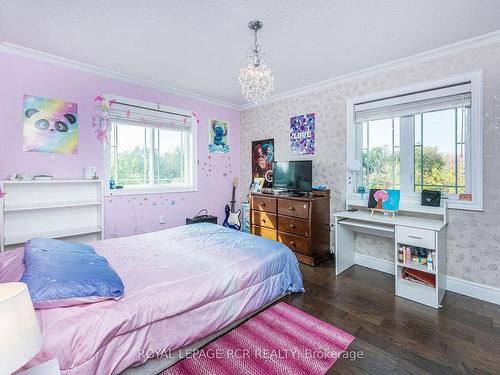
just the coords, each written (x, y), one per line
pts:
(302, 129)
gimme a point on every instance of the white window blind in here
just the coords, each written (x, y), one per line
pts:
(130, 114)
(152, 148)
(456, 96)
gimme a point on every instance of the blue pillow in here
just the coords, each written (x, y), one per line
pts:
(60, 274)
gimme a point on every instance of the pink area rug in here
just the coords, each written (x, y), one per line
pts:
(279, 340)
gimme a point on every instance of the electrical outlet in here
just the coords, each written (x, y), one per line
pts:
(162, 219)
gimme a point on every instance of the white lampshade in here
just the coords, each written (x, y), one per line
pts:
(354, 165)
(20, 336)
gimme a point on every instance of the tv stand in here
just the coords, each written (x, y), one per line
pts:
(301, 223)
(292, 193)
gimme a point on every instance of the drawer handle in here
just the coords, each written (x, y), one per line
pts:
(263, 220)
(292, 243)
(292, 225)
(291, 208)
(415, 237)
(262, 204)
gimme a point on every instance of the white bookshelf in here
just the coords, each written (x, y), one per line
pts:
(69, 209)
(430, 240)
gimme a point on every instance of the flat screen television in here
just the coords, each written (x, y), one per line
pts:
(293, 176)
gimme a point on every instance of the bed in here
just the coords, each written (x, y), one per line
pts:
(182, 286)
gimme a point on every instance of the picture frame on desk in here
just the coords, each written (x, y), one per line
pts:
(257, 185)
(384, 200)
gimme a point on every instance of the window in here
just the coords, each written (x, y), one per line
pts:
(151, 148)
(428, 139)
(381, 166)
(440, 151)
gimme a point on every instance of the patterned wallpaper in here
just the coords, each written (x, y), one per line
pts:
(473, 237)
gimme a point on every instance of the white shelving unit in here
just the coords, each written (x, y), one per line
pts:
(70, 209)
(431, 240)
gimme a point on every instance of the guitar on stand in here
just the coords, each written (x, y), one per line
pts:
(232, 219)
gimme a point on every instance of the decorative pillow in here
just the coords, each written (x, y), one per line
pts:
(61, 274)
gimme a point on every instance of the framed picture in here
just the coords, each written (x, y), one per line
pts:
(218, 134)
(257, 185)
(262, 161)
(302, 134)
(49, 125)
(384, 199)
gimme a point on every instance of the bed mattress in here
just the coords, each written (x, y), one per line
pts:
(181, 284)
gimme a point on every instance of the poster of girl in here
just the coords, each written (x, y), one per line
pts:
(262, 161)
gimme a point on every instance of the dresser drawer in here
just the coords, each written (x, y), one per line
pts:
(264, 232)
(293, 208)
(416, 237)
(293, 225)
(264, 219)
(267, 204)
(295, 243)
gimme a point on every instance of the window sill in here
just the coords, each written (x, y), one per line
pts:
(151, 190)
(414, 206)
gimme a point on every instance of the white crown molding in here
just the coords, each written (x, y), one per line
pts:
(454, 284)
(467, 44)
(18, 50)
(464, 45)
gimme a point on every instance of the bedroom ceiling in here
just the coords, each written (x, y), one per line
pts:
(199, 45)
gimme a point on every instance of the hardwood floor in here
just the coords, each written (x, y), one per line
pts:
(398, 336)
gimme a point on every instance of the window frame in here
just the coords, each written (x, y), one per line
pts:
(474, 167)
(192, 154)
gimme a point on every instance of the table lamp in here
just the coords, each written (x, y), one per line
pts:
(20, 335)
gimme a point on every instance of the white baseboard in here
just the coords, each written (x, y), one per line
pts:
(454, 284)
(471, 289)
(374, 263)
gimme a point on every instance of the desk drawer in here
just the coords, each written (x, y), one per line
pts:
(264, 219)
(293, 225)
(293, 208)
(295, 243)
(416, 237)
(266, 204)
(264, 232)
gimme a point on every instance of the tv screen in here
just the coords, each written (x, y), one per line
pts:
(293, 175)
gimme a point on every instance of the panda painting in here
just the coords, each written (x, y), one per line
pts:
(50, 125)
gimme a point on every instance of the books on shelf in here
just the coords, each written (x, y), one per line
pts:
(419, 277)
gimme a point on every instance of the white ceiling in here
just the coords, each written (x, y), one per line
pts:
(199, 45)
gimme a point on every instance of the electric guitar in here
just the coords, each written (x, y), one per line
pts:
(232, 219)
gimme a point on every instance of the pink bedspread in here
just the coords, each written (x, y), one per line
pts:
(181, 285)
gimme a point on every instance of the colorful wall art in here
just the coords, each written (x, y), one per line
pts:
(218, 134)
(381, 199)
(302, 134)
(50, 125)
(262, 161)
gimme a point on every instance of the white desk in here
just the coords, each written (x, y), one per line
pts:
(426, 232)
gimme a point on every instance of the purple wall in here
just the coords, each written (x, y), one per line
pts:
(127, 214)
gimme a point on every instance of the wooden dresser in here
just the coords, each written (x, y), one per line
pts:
(301, 223)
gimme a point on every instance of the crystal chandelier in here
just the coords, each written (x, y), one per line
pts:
(256, 78)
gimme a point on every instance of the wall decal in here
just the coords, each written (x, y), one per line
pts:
(302, 134)
(50, 125)
(262, 161)
(218, 136)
